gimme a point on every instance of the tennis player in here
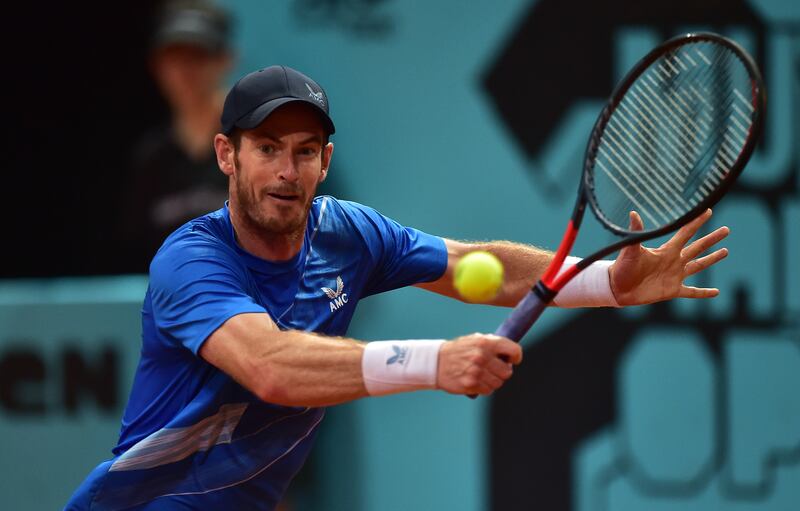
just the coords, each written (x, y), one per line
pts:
(244, 319)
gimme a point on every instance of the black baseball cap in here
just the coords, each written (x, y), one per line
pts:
(258, 94)
(193, 22)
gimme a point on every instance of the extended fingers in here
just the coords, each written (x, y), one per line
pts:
(699, 246)
(635, 223)
(686, 232)
(704, 262)
(698, 292)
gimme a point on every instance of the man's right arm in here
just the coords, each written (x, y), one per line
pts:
(295, 368)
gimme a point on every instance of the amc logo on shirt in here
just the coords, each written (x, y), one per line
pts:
(338, 297)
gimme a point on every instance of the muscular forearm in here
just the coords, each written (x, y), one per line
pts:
(312, 370)
(290, 368)
(295, 368)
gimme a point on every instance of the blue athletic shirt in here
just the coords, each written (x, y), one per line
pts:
(191, 437)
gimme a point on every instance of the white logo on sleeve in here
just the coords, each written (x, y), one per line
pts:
(338, 297)
(317, 96)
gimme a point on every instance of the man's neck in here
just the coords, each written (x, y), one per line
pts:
(269, 246)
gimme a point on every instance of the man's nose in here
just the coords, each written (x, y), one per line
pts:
(288, 169)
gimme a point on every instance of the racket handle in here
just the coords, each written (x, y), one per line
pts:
(522, 317)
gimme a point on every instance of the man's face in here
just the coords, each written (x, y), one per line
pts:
(277, 170)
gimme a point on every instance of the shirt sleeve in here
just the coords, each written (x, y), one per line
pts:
(403, 255)
(195, 287)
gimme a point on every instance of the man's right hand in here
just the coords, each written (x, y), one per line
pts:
(476, 363)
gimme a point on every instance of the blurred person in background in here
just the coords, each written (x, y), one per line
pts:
(174, 175)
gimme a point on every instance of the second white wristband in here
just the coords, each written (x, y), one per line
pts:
(590, 288)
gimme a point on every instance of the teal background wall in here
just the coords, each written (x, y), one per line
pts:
(68, 352)
(704, 411)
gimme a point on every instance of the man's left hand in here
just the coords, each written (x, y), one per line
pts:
(643, 275)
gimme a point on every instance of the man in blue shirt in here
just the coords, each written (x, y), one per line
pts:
(244, 317)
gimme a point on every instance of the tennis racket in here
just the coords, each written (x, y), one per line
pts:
(673, 137)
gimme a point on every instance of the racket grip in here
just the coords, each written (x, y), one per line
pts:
(521, 319)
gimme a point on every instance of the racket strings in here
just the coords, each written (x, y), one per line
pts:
(674, 136)
(686, 176)
(681, 133)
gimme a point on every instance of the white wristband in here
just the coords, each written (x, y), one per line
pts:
(589, 288)
(389, 367)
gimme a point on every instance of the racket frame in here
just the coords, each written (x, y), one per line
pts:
(551, 282)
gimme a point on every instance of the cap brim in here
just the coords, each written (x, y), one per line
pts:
(261, 112)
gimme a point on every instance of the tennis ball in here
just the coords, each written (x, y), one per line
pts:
(478, 276)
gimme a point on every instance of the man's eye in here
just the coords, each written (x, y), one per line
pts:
(267, 149)
(308, 151)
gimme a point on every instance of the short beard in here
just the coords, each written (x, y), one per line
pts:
(269, 226)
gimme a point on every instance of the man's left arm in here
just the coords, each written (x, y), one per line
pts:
(640, 275)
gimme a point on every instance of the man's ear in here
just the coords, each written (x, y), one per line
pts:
(226, 154)
(327, 154)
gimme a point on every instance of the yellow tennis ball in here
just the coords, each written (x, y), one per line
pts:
(478, 276)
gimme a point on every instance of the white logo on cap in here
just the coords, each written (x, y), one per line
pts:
(316, 95)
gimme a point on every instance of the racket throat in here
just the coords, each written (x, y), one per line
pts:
(544, 293)
(567, 241)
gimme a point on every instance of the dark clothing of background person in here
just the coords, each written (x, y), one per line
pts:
(168, 189)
